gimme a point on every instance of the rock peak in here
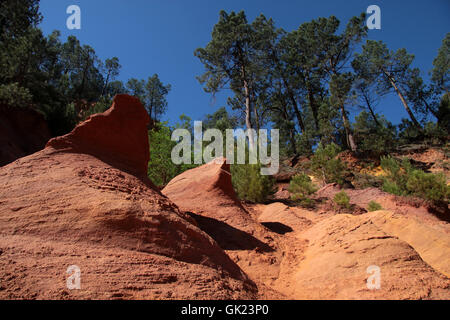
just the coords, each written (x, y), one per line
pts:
(117, 136)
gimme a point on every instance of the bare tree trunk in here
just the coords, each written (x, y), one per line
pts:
(371, 111)
(257, 124)
(248, 110)
(301, 124)
(105, 85)
(313, 107)
(430, 109)
(403, 100)
(348, 132)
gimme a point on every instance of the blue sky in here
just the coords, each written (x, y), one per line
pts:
(150, 36)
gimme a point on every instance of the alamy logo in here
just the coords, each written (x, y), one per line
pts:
(74, 280)
(258, 145)
(374, 21)
(74, 20)
(374, 280)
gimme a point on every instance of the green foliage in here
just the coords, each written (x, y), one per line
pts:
(372, 136)
(408, 132)
(61, 118)
(402, 179)
(12, 95)
(56, 76)
(342, 199)
(428, 186)
(440, 75)
(396, 175)
(390, 70)
(161, 169)
(434, 133)
(444, 113)
(249, 184)
(392, 188)
(152, 93)
(326, 166)
(301, 187)
(374, 206)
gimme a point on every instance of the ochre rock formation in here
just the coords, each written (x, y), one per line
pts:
(84, 200)
(206, 192)
(117, 136)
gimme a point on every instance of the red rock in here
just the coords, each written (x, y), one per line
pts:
(68, 205)
(117, 136)
(207, 193)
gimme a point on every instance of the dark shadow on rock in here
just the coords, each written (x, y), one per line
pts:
(277, 227)
(228, 237)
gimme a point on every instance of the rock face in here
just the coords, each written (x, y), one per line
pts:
(318, 255)
(207, 190)
(22, 131)
(340, 250)
(207, 194)
(84, 201)
(117, 136)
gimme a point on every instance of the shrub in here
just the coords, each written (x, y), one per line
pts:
(249, 184)
(342, 199)
(374, 206)
(428, 186)
(326, 166)
(396, 175)
(301, 187)
(402, 179)
(392, 188)
(12, 95)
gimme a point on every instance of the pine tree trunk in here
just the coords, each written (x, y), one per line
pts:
(427, 106)
(105, 85)
(372, 112)
(301, 124)
(403, 100)
(313, 107)
(248, 110)
(348, 132)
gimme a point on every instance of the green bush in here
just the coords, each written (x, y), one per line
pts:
(12, 95)
(326, 166)
(392, 188)
(374, 206)
(402, 179)
(428, 186)
(342, 199)
(249, 184)
(396, 175)
(301, 187)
